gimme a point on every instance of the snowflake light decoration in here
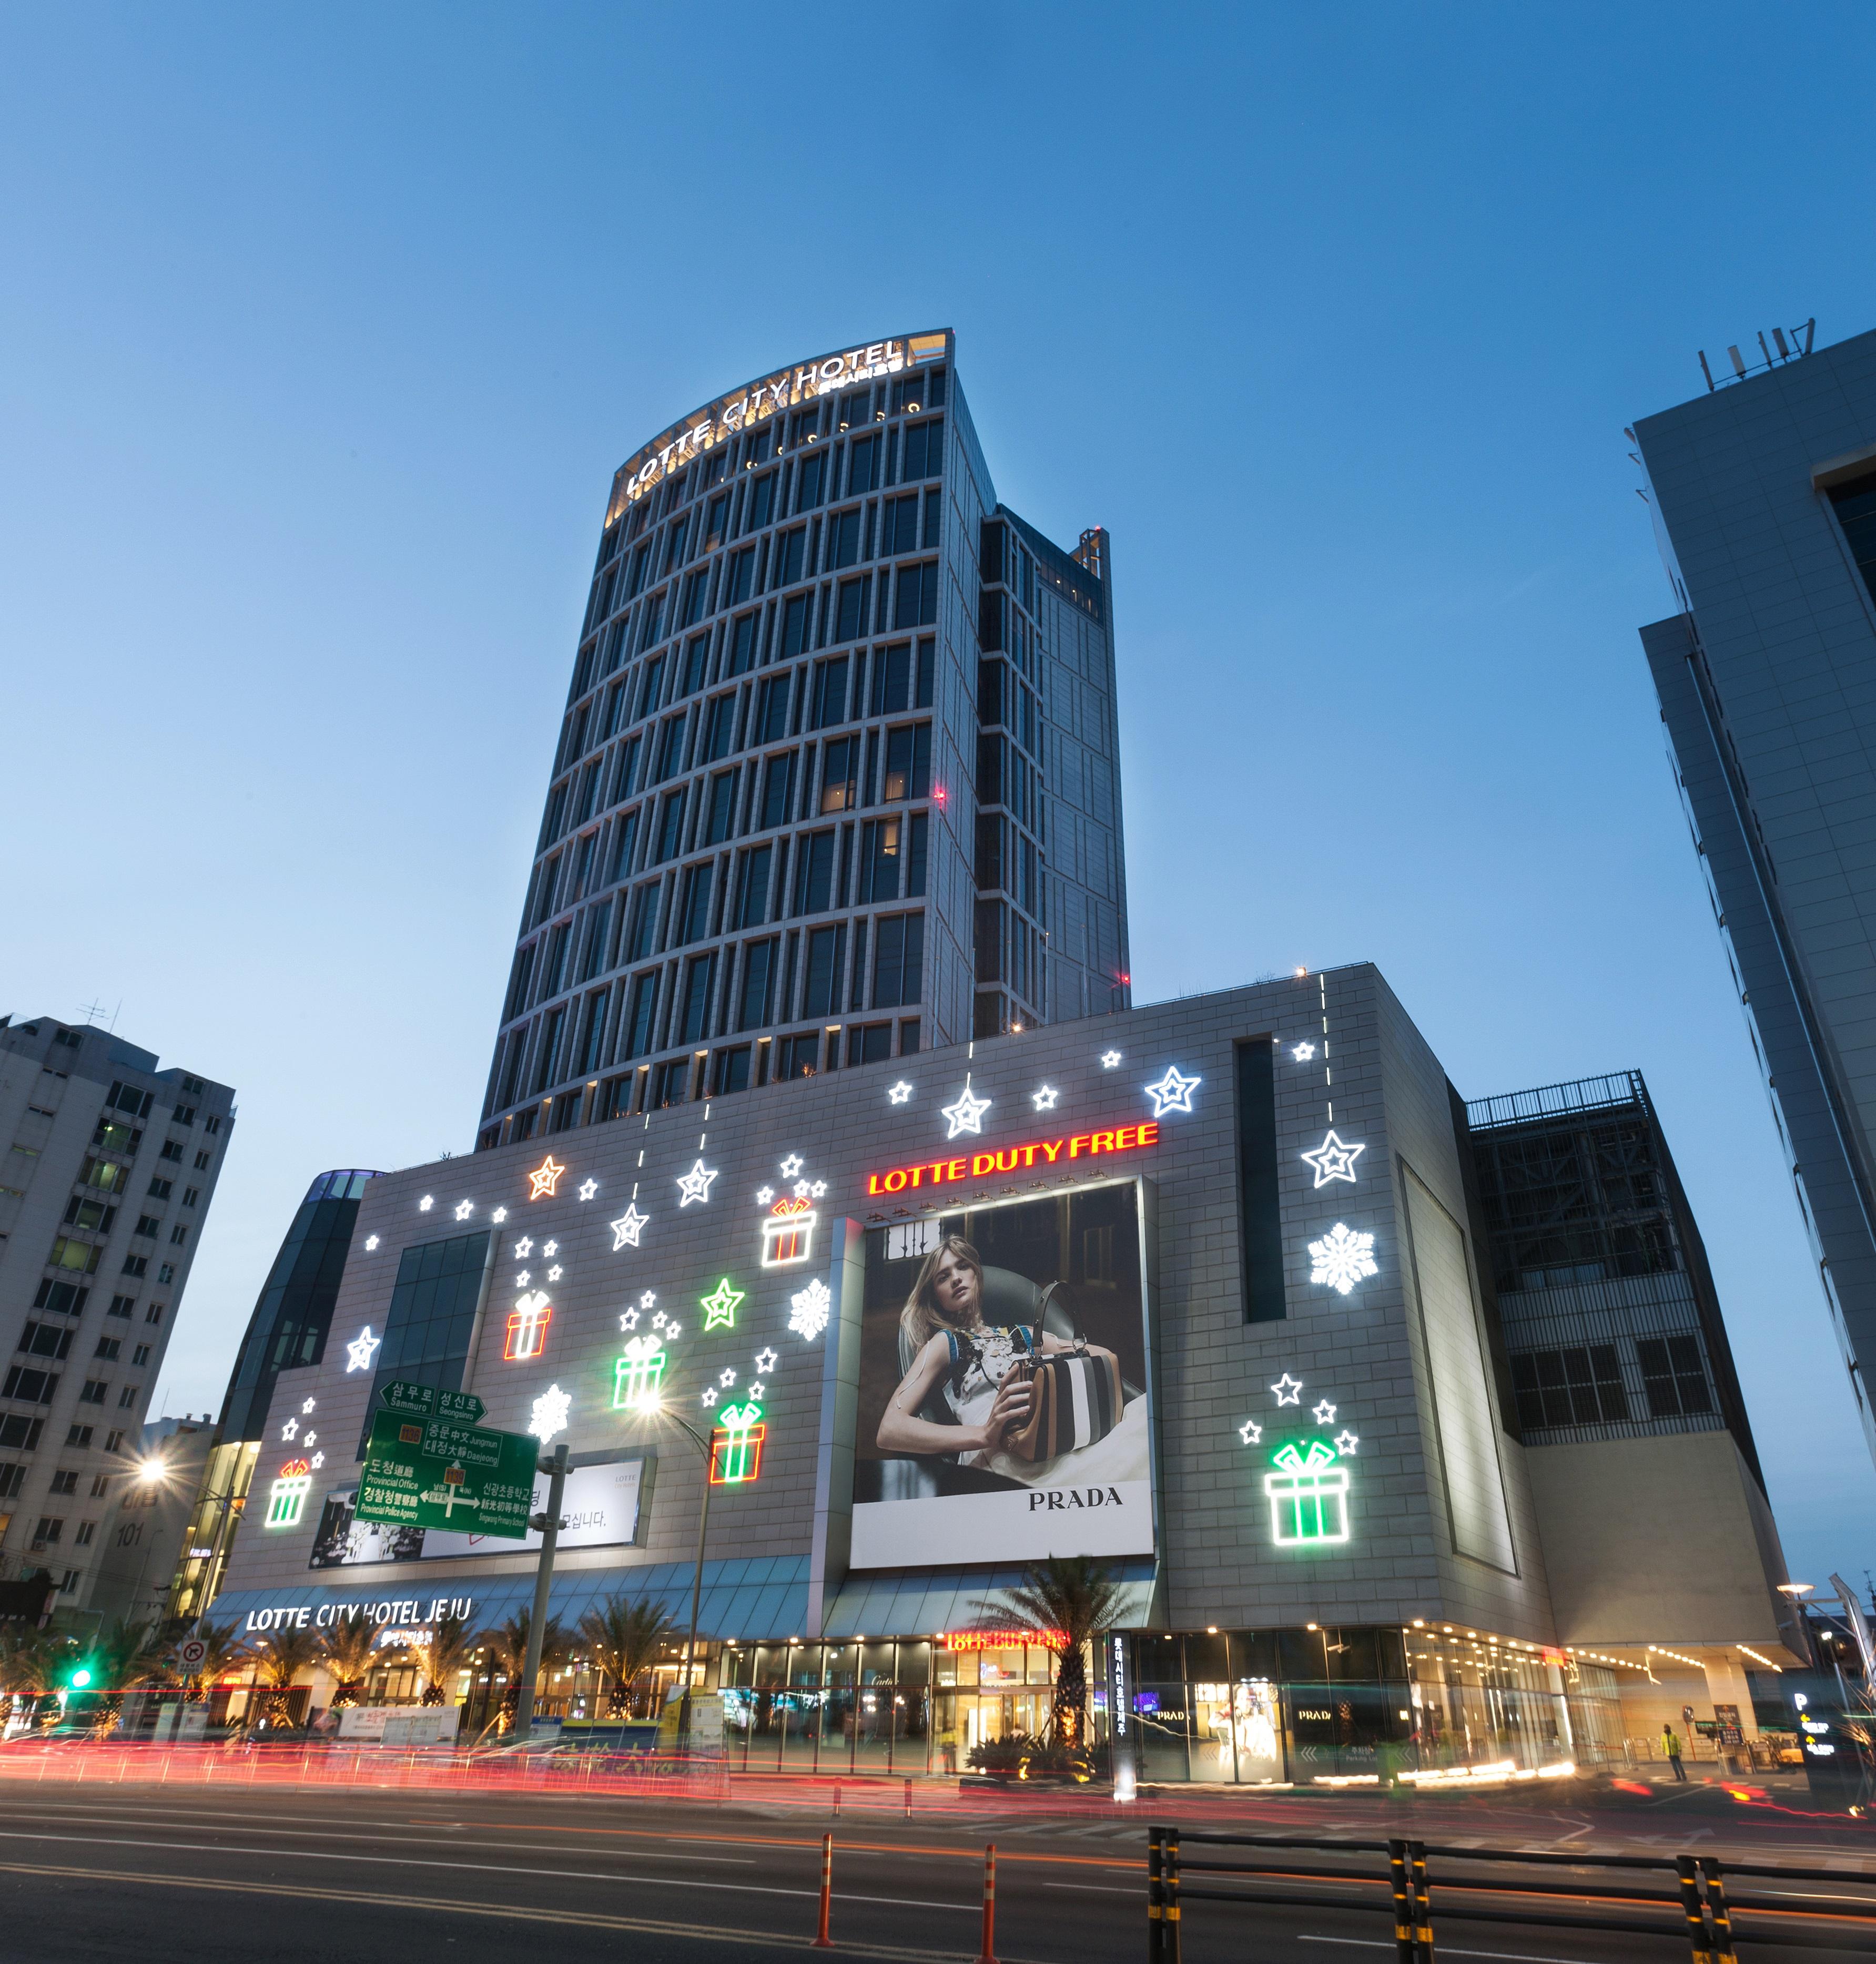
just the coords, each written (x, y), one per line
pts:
(1342, 1258)
(809, 1309)
(549, 1415)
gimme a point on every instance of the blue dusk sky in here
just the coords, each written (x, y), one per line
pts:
(324, 330)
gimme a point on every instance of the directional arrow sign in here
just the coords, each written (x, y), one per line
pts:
(481, 1481)
(427, 1401)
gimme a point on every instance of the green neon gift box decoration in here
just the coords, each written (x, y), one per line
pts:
(638, 1375)
(1308, 1496)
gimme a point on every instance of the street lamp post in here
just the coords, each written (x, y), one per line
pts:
(696, 1586)
(549, 1523)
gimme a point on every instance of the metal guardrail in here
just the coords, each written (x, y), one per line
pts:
(1699, 1912)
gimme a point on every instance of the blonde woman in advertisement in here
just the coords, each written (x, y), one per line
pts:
(989, 1398)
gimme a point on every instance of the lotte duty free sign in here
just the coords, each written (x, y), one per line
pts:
(429, 1464)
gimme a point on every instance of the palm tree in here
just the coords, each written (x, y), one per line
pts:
(122, 1657)
(625, 1639)
(30, 1659)
(280, 1659)
(441, 1655)
(227, 1649)
(348, 1650)
(507, 1643)
(1071, 1597)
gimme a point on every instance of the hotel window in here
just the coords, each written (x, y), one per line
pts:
(799, 1057)
(645, 922)
(862, 465)
(826, 950)
(670, 747)
(698, 986)
(761, 495)
(722, 807)
(729, 1071)
(879, 860)
(915, 599)
(813, 873)
(719, 509)
(742, 581)
(829, 697)
(720, 728)
(695, 913)
(696, 662)
(924, 451)
(596, 1031)
(810, 475)
(850, 622)
(1575, 1387)
(869, 1043)
(771, 714)
(758, 977)
(743, 641)
(898, 960)
(790, 550)
(839, 776)
(898, 527)
(1673, 1376)
(638, 1022)
(794, 625)
(778, 787)
(908, 762)
(892, 679)
(674, 543)
(670, 1084)
(843, 540)
(670, 827)
(752, 899)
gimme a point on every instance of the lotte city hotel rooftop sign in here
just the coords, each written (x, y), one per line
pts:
(718, 422)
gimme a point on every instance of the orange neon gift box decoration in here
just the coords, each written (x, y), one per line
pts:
(1074, 1146)
(528, 1327)
(788, 1235)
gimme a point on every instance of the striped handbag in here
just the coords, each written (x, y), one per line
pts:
(1078, 1399)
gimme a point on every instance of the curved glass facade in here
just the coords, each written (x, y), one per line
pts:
(838, 778)
(294, 1313)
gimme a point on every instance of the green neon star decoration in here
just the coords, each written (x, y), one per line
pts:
(719, 1309)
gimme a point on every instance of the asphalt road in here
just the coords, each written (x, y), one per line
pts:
(386, 1876)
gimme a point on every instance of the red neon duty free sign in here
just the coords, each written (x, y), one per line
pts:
(1012, 1159)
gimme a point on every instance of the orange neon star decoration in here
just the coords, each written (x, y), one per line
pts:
(544, 1177)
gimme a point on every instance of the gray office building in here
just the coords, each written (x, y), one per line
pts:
(110, 1163)
(838, 779)
(1765, 494)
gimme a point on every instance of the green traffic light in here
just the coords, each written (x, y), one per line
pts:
(80, 1678)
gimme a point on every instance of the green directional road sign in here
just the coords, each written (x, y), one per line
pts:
(429, 1466)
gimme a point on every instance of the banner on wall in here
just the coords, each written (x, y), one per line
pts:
(601, 1510)
(1002, 1395)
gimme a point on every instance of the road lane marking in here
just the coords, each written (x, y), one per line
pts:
(481, 1869)
(1446, 1950)
(704, 1933)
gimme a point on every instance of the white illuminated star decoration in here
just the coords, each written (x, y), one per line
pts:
(800, 1189)
(1044, 1098)
(764, 1195)
(524, 1247)
(1251, 1432)
(464, 1208)
(499, 1216)
(726, 1377)
(1302, 1052)
(358, 1351)
(967, 1114)
(1334, 1160)
(370, 1243)
(809, 1309)
(647, 1299)
(291, 1429)
(695, 1184)
(549, 1415)
(308, 1406)
(819, 1189)
(1342, 1258)
(1345, 1442)
(659, 1320)
(1173, 1093)
(757, 1389)
(791, 1167)
(709, 1394)
(1324, 1413)
(673, 1331)
(311, 1438)
(522, 1279)
(555, 1272)
(588, 1188)
(766, 1361)
(1110, 1059)
(550, 1248)
(426, 1203)
(319, 1460)
(629, 1321)
(1289, 1390)
(899, 1092)
(627, 1227)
